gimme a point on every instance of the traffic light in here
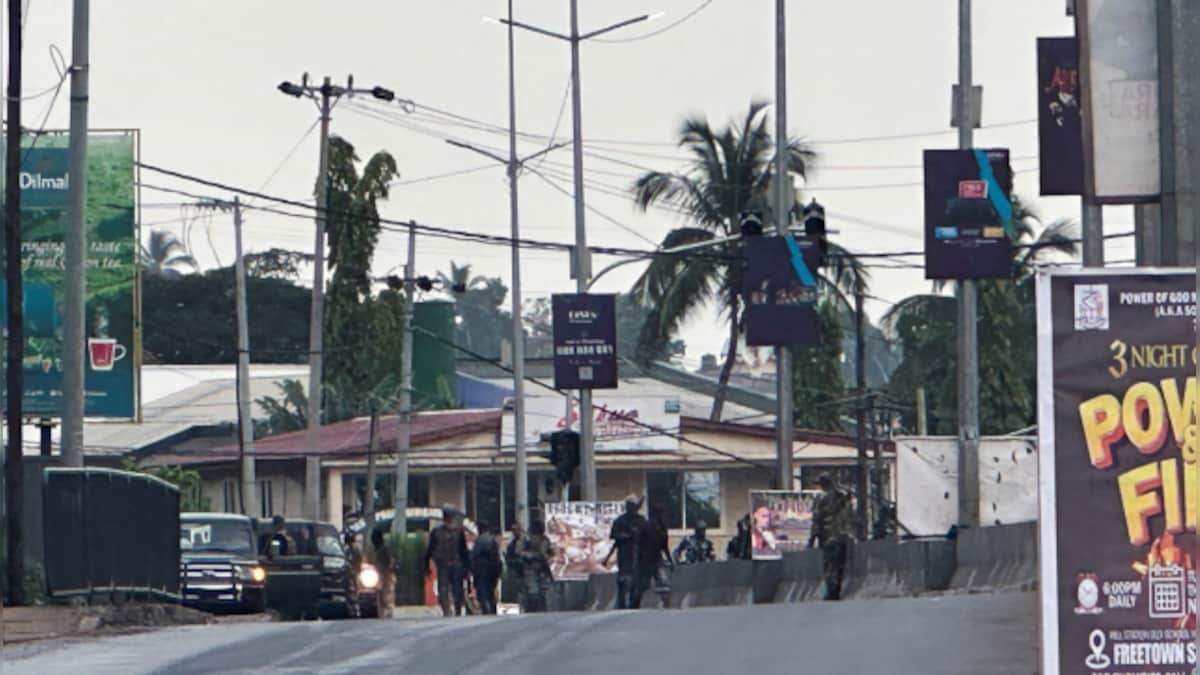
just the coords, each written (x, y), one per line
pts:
(814, 228)
(750, 223)
(564, 454)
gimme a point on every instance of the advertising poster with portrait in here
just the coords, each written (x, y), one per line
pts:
(579, 532)
(1118, 471)
(780, 521)
(111, 350)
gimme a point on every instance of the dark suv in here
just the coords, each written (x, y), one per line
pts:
(219, 568)
(344, 588)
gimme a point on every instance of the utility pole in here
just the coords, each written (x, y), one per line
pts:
(521, 480)
(369, 494)
(783, 207)
(326, 96)
(968, 338)
(404, 439)
(245, 421)
(860, 380)
(922, 422)
(582, 266)
(75, 245)
(14, 464)
(316, 328)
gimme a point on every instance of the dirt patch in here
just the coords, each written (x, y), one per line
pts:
(147, 615)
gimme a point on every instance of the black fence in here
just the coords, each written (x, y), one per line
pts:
(108, 531)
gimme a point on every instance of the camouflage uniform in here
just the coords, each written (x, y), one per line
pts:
(833, 529)
(694, 550)
(535, 555)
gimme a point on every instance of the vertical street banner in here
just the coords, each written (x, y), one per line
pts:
(968, 214)
(585, 341)
(579, 533)
(1118, 43)
(1118, 473)
(780, 308)
(780, 522)
(1060, 126)
(111, 358)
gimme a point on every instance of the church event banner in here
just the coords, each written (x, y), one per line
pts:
(1119, 478)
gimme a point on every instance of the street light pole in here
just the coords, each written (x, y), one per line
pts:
(326, 97)
(968, 335)
(521, 480)
(582, 261)
(783, 197)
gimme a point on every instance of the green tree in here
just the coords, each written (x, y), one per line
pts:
(730, 171)
(165, 256)
(926, 328)
(287, 412)
(191, 487)
(817, 384)
(363, 329)
(478, 309)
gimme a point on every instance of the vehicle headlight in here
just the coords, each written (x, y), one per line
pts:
(333, 562)
(252, 573)
(368, 577)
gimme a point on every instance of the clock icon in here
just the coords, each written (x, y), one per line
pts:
(1088, 593)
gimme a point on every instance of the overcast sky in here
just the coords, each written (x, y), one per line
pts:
(198, 78)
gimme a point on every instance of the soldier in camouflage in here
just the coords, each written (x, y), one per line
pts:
(535, 553)
(833, 530)
(696, 548)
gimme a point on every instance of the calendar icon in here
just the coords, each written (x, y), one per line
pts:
(1167, 592)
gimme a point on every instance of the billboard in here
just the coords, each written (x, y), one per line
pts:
(112, 357)
(585, 341)
(620, 423)
(968, 214)
(780, 307)
(781, 521)
(579, 533)
(1060, 126)
(1118, 475)
(1119, 44)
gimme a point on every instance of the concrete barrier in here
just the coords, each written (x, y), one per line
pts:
(568, 595)
(767, 575)
(601, 592)
(1000, 558)
(715, 584)
(801, 578)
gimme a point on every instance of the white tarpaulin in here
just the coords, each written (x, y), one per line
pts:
(927, 482)
(622, 423)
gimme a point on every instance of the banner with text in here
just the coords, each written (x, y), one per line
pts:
(579, 533)
(1060, 126)
(585, 341)
(781, 521)
(968, 214)
(620, 423)
(1118, 471)
(110, 359)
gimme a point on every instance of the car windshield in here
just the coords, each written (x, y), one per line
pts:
(315, 539)
(328, 542)
(228, 536)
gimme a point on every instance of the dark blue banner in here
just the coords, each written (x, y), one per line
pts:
(780, 307)
(585, 341)
(1060, 129)
(968, 214)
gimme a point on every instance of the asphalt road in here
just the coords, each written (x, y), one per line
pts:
(985, 634)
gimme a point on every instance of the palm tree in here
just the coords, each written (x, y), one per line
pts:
(460, 277)
(730, 171)
(164, 255)
(926, 325)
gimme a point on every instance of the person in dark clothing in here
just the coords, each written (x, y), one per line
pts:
(654, 552)
(486, 568)
(448, 550)
(696, 548)
(739, 546)
(833, 529)
(626, 535)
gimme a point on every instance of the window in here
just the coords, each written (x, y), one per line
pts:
(229, 492)
(385, 481)
(491, 497)
(684, 497)
(266, 507)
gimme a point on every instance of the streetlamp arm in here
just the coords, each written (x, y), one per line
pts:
(485, 153)
(619, 24)
(543, 31)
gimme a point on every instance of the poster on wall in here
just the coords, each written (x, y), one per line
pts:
(780, 522)
(111, 357)
(1118, 472)
(579, 533)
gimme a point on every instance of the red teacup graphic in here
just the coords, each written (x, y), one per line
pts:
(104, 352)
